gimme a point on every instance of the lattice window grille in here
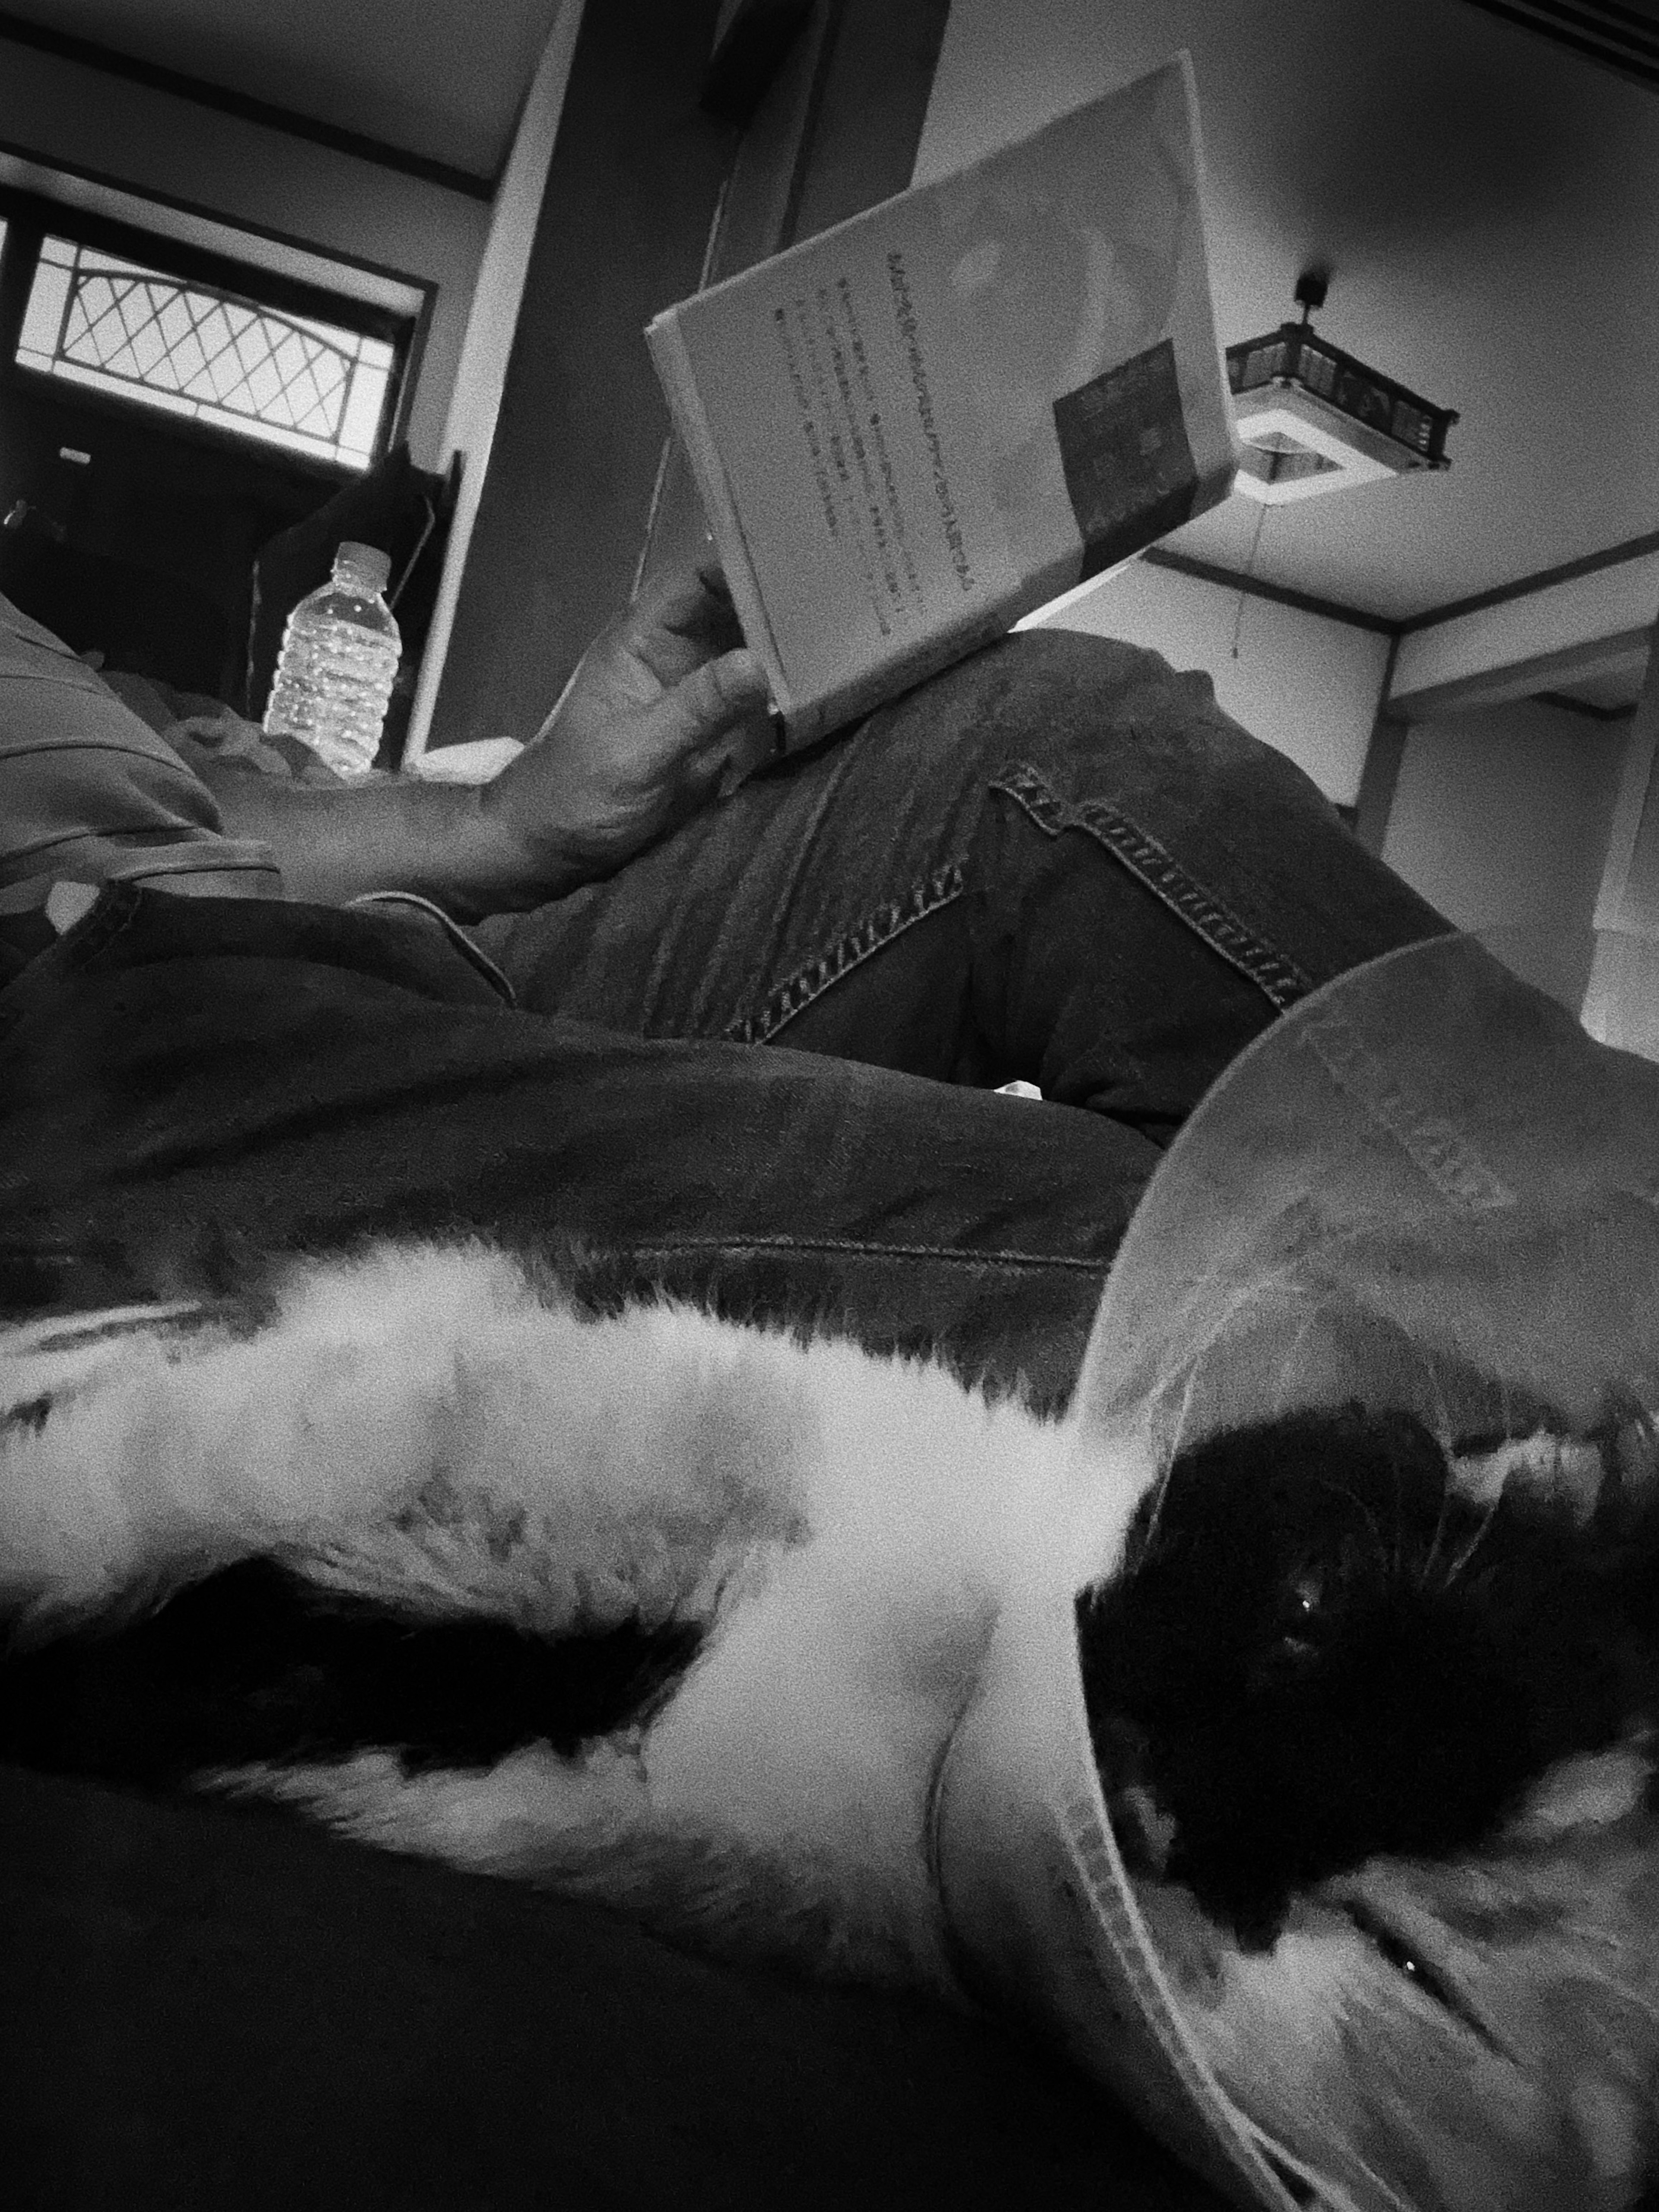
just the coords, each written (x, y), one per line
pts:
(190, 349)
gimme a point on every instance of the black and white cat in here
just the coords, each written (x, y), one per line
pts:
(684, 1614)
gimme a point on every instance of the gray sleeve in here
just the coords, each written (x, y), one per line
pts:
(89, 794)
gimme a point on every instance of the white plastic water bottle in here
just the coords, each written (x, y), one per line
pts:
(339, 656)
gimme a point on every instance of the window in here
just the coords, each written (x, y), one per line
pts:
(193, 348)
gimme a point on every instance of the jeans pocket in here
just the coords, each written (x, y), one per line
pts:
(1278, 977)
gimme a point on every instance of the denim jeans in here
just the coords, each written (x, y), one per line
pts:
(752, 1066)
(1059, 861)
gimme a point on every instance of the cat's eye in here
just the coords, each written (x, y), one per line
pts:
(1304, 1598)
(1404, 1961)
(1393, 1948)
(1301, 1616)
(1307, 1595)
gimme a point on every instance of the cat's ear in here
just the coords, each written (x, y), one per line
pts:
(1592, 1790)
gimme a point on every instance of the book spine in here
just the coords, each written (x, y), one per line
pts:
(679, 379)
(928, 656)
(874, 686)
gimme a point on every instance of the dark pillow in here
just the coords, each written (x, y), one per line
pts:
(391, 506)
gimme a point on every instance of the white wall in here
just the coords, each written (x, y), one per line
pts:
(487, 348)
(1307, 684)
(1501, 819)
(152, 142)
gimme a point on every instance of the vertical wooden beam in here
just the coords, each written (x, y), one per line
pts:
(1380, 774)
(872, 107)
(578, 492)
(837, 131)
(486, 348)
(1378, 780)
(632, 189)
(753, 223)
(1621, 1000)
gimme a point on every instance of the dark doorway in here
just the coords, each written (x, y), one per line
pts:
(132, 531)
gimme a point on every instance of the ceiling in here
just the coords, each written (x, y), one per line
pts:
(1486, 198)
(1488, 203)
(392, 71)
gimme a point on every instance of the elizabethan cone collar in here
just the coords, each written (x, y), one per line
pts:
(1425, 1189)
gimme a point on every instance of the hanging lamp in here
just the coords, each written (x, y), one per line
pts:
(1313, 419)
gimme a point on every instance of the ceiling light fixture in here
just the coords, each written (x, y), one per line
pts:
(1313, 419)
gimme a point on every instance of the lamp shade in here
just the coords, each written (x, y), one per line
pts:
(1312, 418)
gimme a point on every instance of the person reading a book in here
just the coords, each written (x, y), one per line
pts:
(962, 886)
(1059, 861)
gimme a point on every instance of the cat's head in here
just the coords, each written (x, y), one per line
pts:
(1328, 1640)
(1374, 1722)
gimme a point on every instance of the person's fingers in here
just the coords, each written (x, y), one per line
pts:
(690, 606)
(679, 596)
(719, 769)
(710, 702)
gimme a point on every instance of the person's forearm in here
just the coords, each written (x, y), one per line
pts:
(401, 835)
(661, 706)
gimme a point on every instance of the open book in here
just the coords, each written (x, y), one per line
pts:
(915, 427)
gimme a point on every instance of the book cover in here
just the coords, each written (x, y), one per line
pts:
(915, 427)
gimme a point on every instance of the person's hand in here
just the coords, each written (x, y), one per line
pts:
(663, 703)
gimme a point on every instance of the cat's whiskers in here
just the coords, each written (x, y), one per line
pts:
(1353, 1499)
(1426, 1574)
(1629, 1992)
(1290, 1395)
(1396, 1565)
(1241, 1298)
(1459, 1567)
(1161, 1489)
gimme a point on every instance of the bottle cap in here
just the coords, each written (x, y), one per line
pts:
(366, 566)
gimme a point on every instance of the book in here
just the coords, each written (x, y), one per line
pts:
(922, 424)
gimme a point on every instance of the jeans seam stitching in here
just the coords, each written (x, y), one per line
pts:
(1279, 979)
(814, 977)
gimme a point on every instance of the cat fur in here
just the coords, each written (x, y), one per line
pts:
(438, 1432)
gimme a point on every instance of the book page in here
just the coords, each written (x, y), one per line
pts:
(1077, 262)
(832, 385)
(918, 427)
